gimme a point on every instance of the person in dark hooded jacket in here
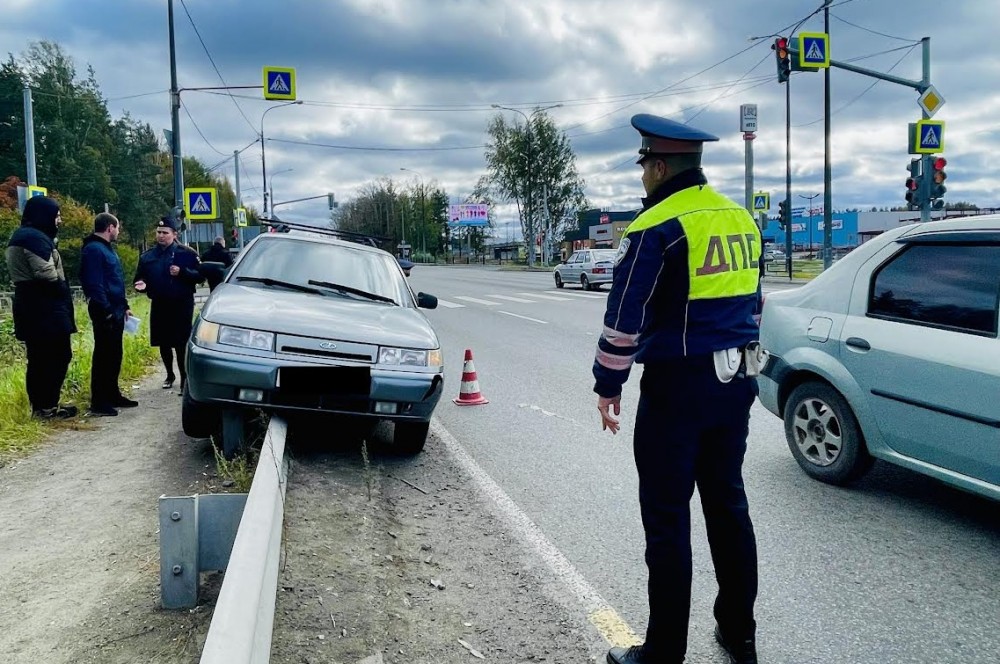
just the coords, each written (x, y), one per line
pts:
(103, 283)
(43, 306)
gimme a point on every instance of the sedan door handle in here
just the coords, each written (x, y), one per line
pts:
(858, 343)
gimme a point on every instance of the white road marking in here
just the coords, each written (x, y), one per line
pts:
(476, 300)
(533, 320)
(589, 296)
(600, 613)
(450, 305)
(512, 299)
(553, 298)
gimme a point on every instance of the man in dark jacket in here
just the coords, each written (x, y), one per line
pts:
(168, 274)
(217, 253)
(43, 306)
(104, 285)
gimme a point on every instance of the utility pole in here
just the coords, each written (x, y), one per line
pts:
(29, 136)
(925, 160)
(788, 175)
(827, 166)
(239, 200)
(810, 216)
(175, 124)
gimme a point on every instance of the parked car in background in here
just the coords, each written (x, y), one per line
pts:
(894, 354)
(588, 267)
(305, 322)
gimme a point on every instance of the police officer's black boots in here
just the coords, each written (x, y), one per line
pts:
(633, 655)
(740, 652)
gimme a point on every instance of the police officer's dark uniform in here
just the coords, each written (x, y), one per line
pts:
(682, 303)
(172, 308)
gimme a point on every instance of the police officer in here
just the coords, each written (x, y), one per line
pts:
(682, 303)
(168, 274)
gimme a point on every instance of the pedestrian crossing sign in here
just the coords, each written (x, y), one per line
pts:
(201, 203)
(240, 215)
(761, 201)
(814, 50)
(279, 83)
(929, 136)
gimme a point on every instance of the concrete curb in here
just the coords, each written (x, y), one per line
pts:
(243, 620)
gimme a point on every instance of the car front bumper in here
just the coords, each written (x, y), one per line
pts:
(228, 379)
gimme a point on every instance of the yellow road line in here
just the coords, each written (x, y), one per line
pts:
(613, 628)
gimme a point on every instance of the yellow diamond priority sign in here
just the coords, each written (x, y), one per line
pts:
(930, 101)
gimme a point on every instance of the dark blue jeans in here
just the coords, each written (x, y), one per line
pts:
(691, 430)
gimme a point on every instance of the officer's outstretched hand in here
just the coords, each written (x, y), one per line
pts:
(605, 404)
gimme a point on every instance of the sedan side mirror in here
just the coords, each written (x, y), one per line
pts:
(426, 301)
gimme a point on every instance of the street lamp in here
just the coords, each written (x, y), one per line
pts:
(263, 163)
(527, 122)
(810, 199)
(423, 210)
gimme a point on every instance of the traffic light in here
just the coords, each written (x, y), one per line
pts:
(784, 214)
(938, 177)
(914, 188)
(782, 60)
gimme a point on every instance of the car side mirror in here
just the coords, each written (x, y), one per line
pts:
(562, 262)
(426, 301)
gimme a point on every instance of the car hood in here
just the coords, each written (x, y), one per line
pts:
(319, 316)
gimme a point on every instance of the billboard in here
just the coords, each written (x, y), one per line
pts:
(468, 214)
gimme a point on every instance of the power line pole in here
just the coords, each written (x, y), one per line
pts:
(827, 166)
(29, 136)
(175, 124)
(239, 200)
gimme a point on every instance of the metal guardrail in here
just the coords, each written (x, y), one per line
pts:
(243, 620)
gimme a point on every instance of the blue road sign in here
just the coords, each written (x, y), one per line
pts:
(279, 83)
(814, 50)
(201, 203)
(761, 202)
(930, 136)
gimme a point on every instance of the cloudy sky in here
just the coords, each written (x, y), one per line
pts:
(409, 84)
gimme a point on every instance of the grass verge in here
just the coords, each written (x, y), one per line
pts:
(19, 432)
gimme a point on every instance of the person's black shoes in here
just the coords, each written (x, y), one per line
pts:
(124, 402)
(55, 413)
(169, 382)
(633, 655)
(103, 411)
(740, 652)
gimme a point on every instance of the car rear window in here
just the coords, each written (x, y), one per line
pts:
(952, 286)
(301, 261)
(606, 255)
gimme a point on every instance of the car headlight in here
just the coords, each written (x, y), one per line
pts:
(209, 333)
(406, 357)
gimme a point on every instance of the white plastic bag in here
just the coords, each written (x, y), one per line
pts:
(132, 324)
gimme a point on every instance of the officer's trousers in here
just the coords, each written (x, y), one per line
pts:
(691, 429)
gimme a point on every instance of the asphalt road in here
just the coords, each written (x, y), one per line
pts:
(896, 569)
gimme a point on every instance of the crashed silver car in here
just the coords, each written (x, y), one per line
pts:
(308, 322)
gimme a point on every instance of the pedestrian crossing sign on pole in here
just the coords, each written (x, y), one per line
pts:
(201, 203)
(814, 50)
(929, 137)
(279, 83)
(761, 201)
(240, 216)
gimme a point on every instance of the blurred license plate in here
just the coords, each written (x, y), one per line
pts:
(324, 380)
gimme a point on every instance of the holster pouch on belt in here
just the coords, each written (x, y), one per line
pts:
(727, 363)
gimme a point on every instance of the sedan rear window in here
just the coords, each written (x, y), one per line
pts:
(301, 261)
(952, 286)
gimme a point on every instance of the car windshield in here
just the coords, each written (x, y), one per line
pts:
(309, 264)
(604, 255)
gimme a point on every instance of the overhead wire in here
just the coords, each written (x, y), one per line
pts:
(198, 129)
(214, 66)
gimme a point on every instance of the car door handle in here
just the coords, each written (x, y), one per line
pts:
(859, 343)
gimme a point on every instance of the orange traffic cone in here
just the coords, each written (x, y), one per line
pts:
(469, 394)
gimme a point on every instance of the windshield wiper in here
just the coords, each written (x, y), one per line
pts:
(353, 291)
(267, 281)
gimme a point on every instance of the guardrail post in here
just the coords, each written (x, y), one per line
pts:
(179, 569)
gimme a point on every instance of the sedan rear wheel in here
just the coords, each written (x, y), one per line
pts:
(585, 282)
(824, 436)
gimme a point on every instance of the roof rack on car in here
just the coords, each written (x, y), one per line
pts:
(280, 226)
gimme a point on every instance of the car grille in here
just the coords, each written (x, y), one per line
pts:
(326, 348)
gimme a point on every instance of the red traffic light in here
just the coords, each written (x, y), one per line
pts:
(911, 184)
(781, 42)
(940, 163)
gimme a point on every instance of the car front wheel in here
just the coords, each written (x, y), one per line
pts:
(197, 419)
(824, 436)
(410, 437)
(559, 281)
